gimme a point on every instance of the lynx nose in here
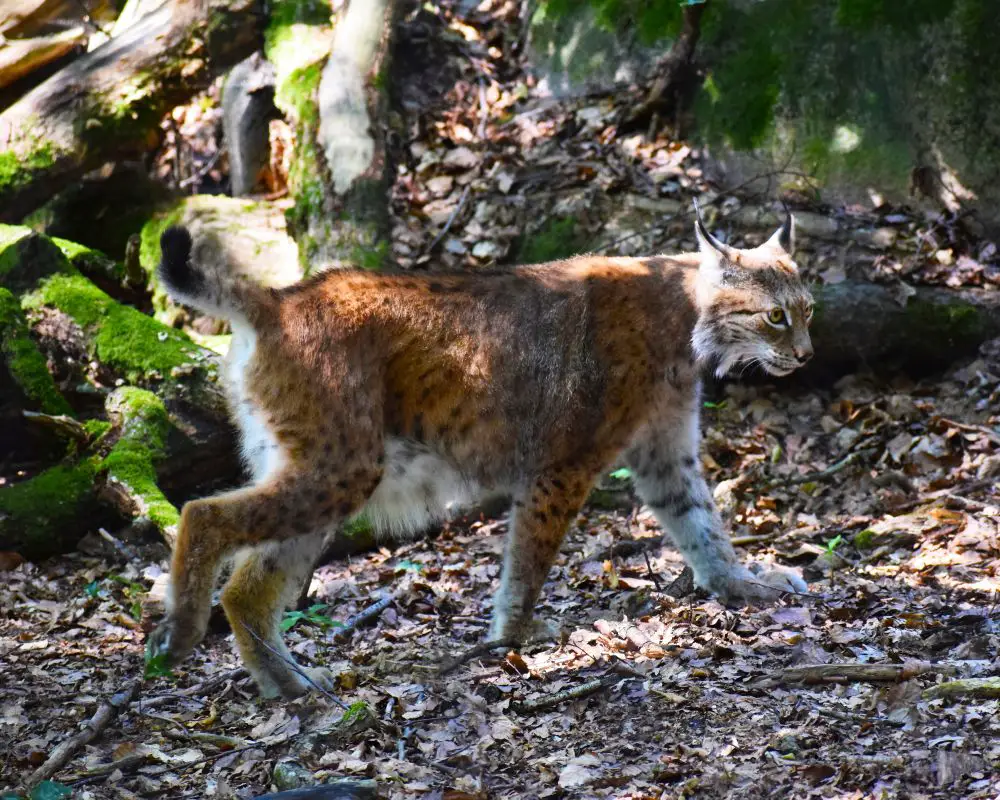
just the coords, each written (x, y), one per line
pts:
(803, 353)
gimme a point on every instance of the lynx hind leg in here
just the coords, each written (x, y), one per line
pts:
(538, 524)
(263, 584)
(668, 479)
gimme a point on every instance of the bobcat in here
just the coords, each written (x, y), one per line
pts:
(403, 395)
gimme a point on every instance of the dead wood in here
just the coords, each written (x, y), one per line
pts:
(574, 693)
(856, 673)
(675, 73)
(337, 789)
(367, 615)
(109, 102)
(862, 325)
(969, 687)
(105, 714)
(21, 57)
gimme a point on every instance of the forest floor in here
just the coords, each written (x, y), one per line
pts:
(882, 490)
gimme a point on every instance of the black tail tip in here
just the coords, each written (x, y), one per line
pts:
(175, 264)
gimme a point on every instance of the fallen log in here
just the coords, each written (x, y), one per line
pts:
(167, 432)
(21, 57)
(110, 101)
(872, 327)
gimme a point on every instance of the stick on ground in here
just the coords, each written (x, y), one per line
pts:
(106, 712)
(857, 673)
(362, 617)
(970, 687)
(576, 692)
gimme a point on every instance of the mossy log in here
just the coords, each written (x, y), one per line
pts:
(331, 85)
(110, 101)
(865, 326)
(65, 344)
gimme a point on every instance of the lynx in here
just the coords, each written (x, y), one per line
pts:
(404, 395)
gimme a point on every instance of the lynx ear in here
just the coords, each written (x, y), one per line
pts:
(784, 237)
(713, 252)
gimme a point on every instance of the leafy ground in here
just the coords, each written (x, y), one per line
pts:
(883, 491)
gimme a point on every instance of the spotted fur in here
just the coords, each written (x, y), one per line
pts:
(402, 396)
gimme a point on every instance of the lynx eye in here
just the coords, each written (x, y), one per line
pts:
(776, 317)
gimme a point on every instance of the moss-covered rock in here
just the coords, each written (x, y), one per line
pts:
(143, 425)
(42, 515)
(24, 362)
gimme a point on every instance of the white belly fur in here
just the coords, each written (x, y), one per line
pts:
(419, 487)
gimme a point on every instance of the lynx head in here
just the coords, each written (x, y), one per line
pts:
(753, 307)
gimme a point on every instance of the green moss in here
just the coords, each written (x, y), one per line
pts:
(357, 712)
(149, 248)
(557, 238)
(144, 427)
(25, 363)
(88, 260)
(96, 428)
(18, 169)
(287, 19)
(951, 322)
(134, 345)
(372, 257)
(26, 256)
(45, 507)
(865, 540)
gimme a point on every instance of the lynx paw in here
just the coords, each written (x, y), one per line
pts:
(522, 631)
(756, 582)
(173, 641)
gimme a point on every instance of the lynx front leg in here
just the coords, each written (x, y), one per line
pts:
(292, 505)
(538, 523)
(663, 459)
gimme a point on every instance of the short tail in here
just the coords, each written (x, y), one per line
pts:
(201, 274)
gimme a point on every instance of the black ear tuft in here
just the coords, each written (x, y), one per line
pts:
(175, 264)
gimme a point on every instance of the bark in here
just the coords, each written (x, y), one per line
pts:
(867, 326)
(21, 57)
(674, 73)
(109, 102)
(338, 107)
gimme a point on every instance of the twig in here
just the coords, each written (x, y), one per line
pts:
(106, 712)
(970, 687)
(739, 541)
(62, 425)
(123, 549)
(339, 789)
(125, 764)
(856, 673)
(583, 690)
(629, 547)
(363, 616)
(297, 669)
(480, 649)
(450, 222)
(205, 687)
(992, 435)
(950, 492)
(822, 474)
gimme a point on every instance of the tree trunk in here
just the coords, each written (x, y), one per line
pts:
(337, 104)
(674, 73)
(110, 101)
